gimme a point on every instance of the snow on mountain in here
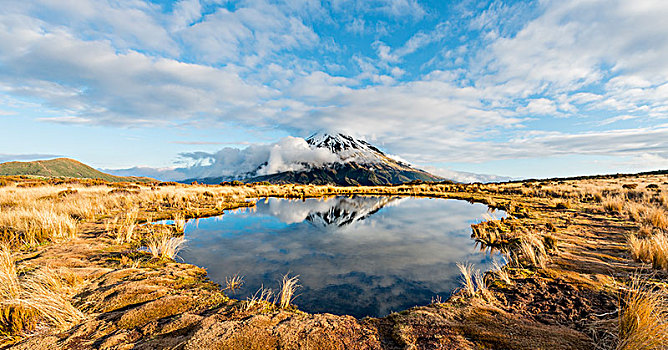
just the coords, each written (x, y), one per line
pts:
(349, 149)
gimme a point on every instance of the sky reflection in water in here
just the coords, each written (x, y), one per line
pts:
(361, 256)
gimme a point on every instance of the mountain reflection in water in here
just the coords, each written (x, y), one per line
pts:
(362, 256)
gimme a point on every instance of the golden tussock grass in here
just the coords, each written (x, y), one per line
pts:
(657, 217)
(233, 283)
(14, 318)
(179, 221)
(48, 293)
(643, 318)
(635, 210)
(468, 286)
(651, 249)
(42, 296)
(531, 251)
(163, 245)
(613, 204)
(501, 272)
(123, 228)
(473, 281)
(289, 286)
(481, 285)
(262, 296)
(9, 281)
(32, 226)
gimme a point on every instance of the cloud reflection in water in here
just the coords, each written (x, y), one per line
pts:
(363, 256)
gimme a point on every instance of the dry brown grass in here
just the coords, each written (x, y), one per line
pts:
(468, 285)
(613, 204)
(481, 285)
(643, 318)
(15, 319)
(9, 281)
(651, 249)
(531, 251)
(501, 272)
(635, 210)
(262, 296)
(31, 226)
(656, 217)
(289, 286)
(42, 296)
(164, 246)
(123, 227)
(48, 293)
(233, 283)
(179, 221)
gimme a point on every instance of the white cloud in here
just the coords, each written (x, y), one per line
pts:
(288, 154)
(126, 24)
(247, 35)
(66, 120)
(127, 63)
(540, 106)
(395, 8)
(91, 80)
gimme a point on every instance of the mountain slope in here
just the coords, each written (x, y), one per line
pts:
(358, 163)
(62, 167)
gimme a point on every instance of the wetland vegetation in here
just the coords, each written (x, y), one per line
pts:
(586, 269)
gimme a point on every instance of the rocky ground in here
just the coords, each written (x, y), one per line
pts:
(133, 302)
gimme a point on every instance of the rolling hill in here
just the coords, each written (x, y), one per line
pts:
(62, 167)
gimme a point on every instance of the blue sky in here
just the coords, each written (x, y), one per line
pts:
(517, 88)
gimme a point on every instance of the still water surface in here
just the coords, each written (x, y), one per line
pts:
(361, 256)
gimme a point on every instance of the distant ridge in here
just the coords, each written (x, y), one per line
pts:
(63, 167)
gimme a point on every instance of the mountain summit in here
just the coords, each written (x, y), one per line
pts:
(349, 149)
(351, 161)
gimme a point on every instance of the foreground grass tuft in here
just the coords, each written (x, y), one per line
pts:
(46, 292)
(41, 297)
(288, 287)
(467, 278)
(651, 249)
(643, 319)
(164, 246)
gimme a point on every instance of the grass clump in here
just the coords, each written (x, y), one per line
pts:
(123, 228)
(501, 272)
(15, 319)
(531, 251)
(656, 217)
(262, 296)
(179, 221)
(33, 226)
(46, 292)
(643, 318)
(164, 246)
(289, 286)
(651, 249)
(614, 204)
(467, 278)
(233, 283)
(473, 281)
(39, 297)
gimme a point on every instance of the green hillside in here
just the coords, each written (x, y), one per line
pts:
(62, 167)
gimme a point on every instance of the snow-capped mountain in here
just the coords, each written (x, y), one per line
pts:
(348, 148)
(349, 161)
